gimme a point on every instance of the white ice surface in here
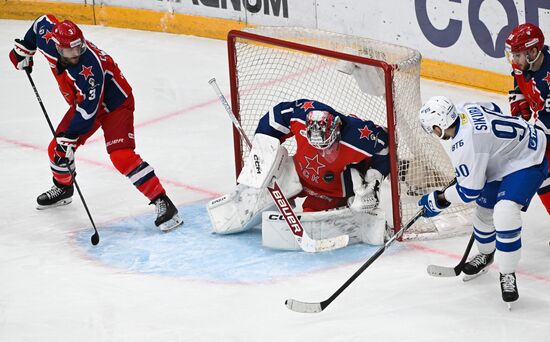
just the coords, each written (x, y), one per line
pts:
(53, 289)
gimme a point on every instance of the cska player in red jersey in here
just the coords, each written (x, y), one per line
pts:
(339, 165)
(99, 96)
(530, 97)
(328, 146)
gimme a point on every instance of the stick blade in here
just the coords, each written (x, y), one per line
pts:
(303, 307)
(442, 271)
(331, 243)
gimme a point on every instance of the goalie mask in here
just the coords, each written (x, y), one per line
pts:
(438, 111)
(322, 129)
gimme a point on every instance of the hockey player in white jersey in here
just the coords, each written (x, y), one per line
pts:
(499, 163)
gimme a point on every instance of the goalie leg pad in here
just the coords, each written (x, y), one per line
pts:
(241, 209)
(361, 227)
(237, 211)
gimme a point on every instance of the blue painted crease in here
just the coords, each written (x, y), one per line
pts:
(193, 252)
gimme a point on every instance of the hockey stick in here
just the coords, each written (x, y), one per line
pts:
(95, 237)
(315, 307)
(304, 240)
(442, 271)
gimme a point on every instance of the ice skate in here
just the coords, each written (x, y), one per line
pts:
(167, 214)
(509, 288)
(477, 266)
(58, 195)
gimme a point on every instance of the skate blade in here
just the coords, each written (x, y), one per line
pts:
(509, 306)
(56, 204)
(468, 277)
(171, 224)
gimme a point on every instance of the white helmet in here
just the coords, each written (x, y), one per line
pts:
(438, 111)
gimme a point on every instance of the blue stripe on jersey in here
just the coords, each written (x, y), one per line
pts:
(113, 95)
(467, 195)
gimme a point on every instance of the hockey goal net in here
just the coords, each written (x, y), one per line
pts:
(371, 79)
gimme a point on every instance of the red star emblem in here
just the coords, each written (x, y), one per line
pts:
(314, 164)
(47, 36)
(86, 72)
(365, 132)
(547, 78)
(307, 105)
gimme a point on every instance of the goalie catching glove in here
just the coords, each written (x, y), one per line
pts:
(367, 191)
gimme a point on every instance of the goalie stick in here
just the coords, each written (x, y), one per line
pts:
(443, 271)
(316, 307)
(302, 238)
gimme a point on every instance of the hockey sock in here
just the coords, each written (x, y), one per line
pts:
(140, 173)
(484, 230)
(508, 226)
(60, 174)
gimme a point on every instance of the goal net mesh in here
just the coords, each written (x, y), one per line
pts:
(267, 74)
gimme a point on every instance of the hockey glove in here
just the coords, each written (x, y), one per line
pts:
(432, 206)
(21, 55)
(367, 195)
(64, 150)
(519, 106)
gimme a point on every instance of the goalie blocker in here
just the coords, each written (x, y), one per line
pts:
(242, 209)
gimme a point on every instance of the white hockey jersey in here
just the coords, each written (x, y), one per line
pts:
(489, 145)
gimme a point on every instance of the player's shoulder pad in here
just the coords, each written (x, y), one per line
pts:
(44, 21)
(304, 106)
(42, 28)
(363, 134)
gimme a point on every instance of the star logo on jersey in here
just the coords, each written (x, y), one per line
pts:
(547, 78)
(86, 72)
(307, 105)
(47, 36)
(314, 164)
(365, 132)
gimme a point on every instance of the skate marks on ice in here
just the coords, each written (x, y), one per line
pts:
(192, 252)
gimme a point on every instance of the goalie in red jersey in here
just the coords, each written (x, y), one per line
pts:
(98, 96)
(339, 160)
(530, 97)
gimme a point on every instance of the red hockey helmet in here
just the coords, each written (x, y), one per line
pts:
(524, 37)
(68, 39)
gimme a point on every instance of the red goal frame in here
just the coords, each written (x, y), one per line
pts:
(388, 76)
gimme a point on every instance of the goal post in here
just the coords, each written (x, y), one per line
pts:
(370, 79)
